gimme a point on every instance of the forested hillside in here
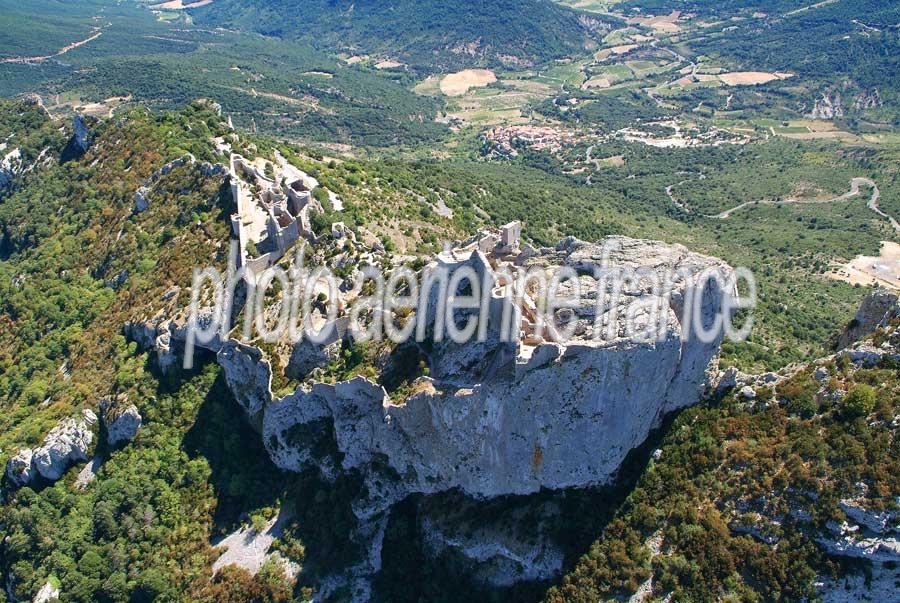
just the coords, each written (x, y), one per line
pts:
(429, 36)
(264, 83)
(80, 261)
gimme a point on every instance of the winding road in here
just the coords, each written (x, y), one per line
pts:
(59, 52)
(855, 184)
(672, 197)
(854, 191)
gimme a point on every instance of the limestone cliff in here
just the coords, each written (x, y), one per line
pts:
(537, 414)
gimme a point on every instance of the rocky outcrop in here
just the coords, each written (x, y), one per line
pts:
(82, 138)
(47, 593)
(249, 377)
(19, 470)
(10, 167)
(306, 356)
(142, 195)
(141, 203)
(875, 310)
(848, 540)
(122, 420)
(509, 418)
(828, 107)
(867, 100)
(879, 522)
(166, 336)
(66, 444)
(832, 105)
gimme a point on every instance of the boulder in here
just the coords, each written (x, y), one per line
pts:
(19, 469)
(122, 420)
(47, 593)
(748, 393)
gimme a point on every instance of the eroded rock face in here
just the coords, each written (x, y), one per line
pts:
(82, 139)
(66, 444)
(19, 470)
(874, 311)
(828, 106)
(249, 377)
(506, 418)
(122, 420)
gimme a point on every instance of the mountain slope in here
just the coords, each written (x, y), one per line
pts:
(426, 35)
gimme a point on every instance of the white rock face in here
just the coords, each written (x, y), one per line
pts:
(141, 203)
(848, 542)
(498, 418)
(873, 312)
(10, 167)
(82, 138)
(65, 445)
(47, 593)
(880, 522)
(828, 107)
(122, 420)
(560, 420)
(249, 377)
(19, 470)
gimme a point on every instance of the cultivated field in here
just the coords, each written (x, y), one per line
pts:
(457, 84)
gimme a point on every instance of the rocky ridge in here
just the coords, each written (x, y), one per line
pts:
(66, 444)
(505, 418)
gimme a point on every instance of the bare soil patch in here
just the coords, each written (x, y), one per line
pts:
(388, 64)
(457, 84)
(883, 269)
(597, 82)
(663, 23)
(179, 5)
(604, 54)
(751, 78)
(616, 160)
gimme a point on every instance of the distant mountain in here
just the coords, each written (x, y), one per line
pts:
(425, 34)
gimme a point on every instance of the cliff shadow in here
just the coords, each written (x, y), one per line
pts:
(243, 477)
(414, 570)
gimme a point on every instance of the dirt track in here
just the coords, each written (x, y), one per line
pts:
(855, 183)
(60, 52)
